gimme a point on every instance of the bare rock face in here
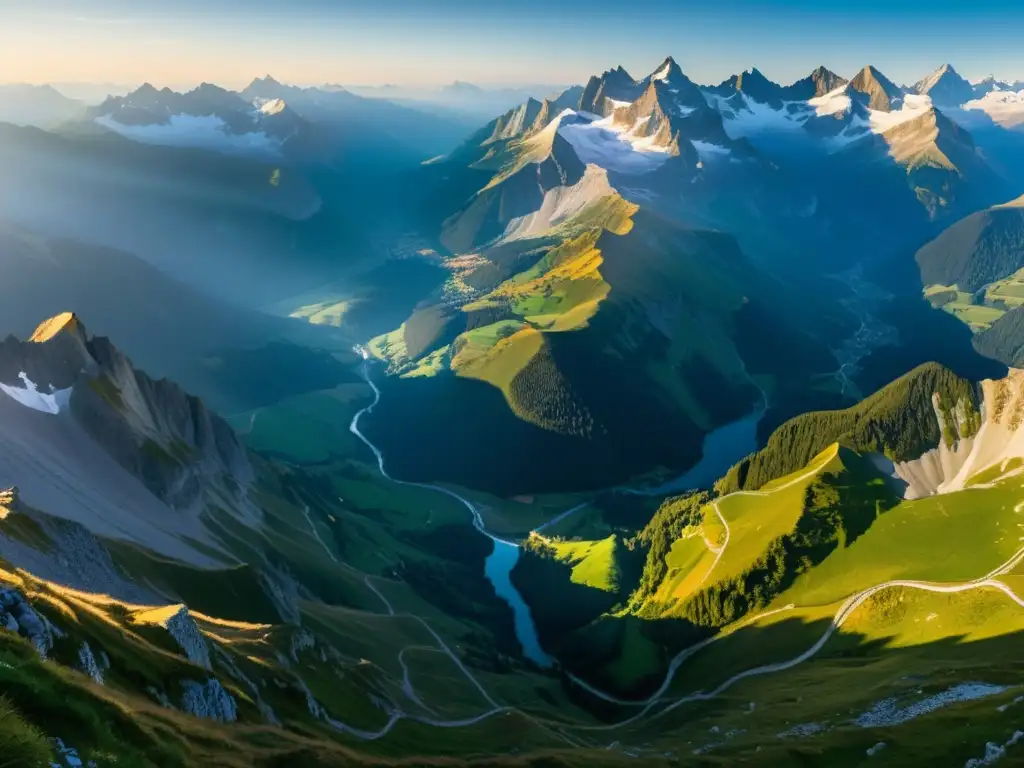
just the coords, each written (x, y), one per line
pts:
(302, 640)
(8, 501)
(88, 664)
(53, 357)
(314, 706)
(182, 627)
(265, 709)
(153, 428)
(17, 615)
(283, 591)
(208, 700)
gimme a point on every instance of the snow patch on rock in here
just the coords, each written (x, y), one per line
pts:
(706, 150)
(832, 103)
(613, 147)
(51, 402)
(197, 131)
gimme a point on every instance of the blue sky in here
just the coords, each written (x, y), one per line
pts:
(496, 42)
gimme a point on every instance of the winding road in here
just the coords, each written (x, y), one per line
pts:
(848, 607)
(842, 614)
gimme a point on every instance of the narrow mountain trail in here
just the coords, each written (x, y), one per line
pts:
(407, 687)
(560, 517)
(719, 551)
(442, 646)
(367, 577)
(387, 603)
(845, 610)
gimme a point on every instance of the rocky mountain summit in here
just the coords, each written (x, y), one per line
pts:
(153, 428)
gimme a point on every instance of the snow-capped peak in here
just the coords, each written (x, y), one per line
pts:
(832, 103)
(665, 71)
(271, 106)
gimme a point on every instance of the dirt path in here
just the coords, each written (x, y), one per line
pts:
(848, 607)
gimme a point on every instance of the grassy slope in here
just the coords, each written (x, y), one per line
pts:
(952, 537)
(593, 562)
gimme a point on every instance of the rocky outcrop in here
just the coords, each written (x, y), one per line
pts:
(68, 756)
(880, 92)
(927, 474)
(613, 85)
(88, 664)
(208, 700)
(18, 615)
(996, 448)
(283, 591)
(315, 708)
(818, 83)
(225, 659)
(302, 640)
(153, 428)
(74, 556)
(999, 444)
(182, 627)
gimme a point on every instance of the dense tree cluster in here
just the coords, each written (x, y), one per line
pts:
(542, 395)
(672, 518)
(489, 315)
(558, 604)
(1004, 340)
(837, 508)
(984, 247)
(898, 420)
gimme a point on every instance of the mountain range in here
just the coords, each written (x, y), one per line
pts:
(324, 126)
(646, 236)
(646, 420)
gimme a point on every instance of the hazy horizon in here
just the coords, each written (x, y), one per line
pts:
(417, 45)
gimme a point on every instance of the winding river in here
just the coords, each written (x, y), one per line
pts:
(499, 564)
(721, 449)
